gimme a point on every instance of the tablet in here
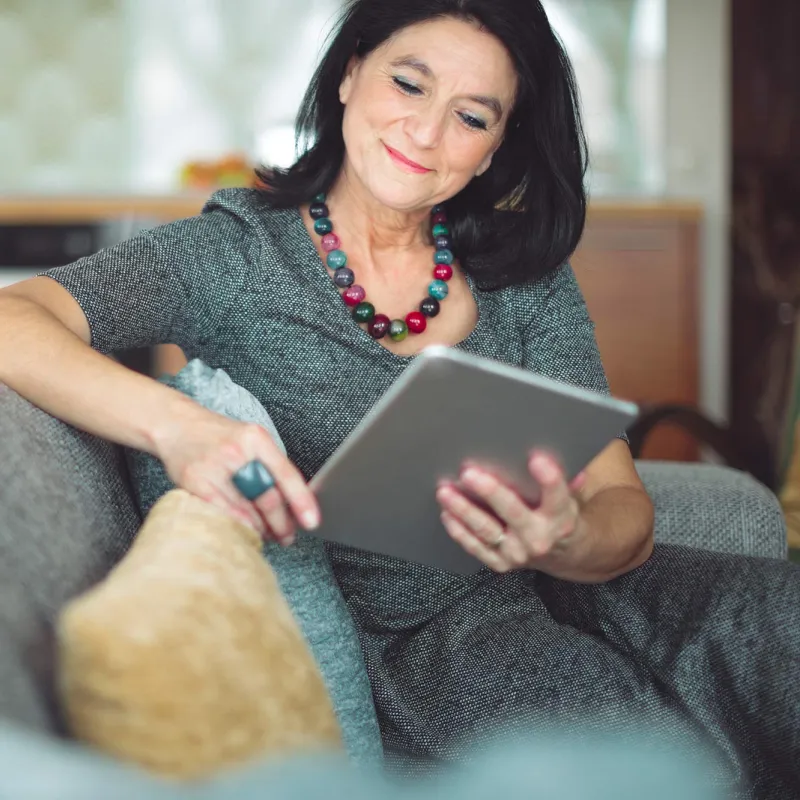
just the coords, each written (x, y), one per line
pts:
(377, 491)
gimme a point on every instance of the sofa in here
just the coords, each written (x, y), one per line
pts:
(67, 515)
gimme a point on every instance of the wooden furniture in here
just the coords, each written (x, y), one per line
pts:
(51, 210)
(638, 266)
(639, 271)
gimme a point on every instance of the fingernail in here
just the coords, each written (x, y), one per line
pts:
(579, 479)
(310, 520)
(471, 474)
(288, 541)
(544, 467)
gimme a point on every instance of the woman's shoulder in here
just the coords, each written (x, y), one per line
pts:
(251, 206)
(232, 225)
(544, 297)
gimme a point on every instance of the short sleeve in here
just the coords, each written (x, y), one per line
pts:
(167, 285)
(559, 341)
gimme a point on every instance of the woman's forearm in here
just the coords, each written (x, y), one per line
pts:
(49, 365)
(614, 536)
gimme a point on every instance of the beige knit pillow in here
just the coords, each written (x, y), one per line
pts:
(186, 659)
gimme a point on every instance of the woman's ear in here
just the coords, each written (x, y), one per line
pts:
(346, 86)
(485, 164)
(483, 167)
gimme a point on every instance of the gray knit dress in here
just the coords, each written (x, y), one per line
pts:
(693, 644)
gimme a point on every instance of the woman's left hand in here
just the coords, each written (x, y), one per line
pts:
(515, 536)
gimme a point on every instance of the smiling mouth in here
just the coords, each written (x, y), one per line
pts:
(400, 159)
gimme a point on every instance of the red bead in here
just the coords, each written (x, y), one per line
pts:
(354, 295)
(416, 322)
(379, 326)
(439, 219)
(443, 272)
(330, 242)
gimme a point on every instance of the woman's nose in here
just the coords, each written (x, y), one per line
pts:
(425, 128)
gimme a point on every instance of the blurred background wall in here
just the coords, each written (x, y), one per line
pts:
(120, 94)
(118, 114)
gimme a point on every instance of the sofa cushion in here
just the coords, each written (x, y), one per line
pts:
(714, 508)
(66, 517)
(303, 572)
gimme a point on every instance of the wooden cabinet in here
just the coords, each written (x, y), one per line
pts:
(639, 273)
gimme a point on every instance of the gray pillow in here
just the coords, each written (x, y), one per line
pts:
(303, 570)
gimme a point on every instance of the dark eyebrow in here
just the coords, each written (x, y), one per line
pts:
(414, 63)
(492, 103)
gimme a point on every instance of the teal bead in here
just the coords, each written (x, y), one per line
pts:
(438, 290)
(323, 226)
(441, 230)
(337, 259)
(364, 312)
(320, 198)
(398, 330)
(444, 257)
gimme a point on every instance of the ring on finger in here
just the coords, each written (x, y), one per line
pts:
(253, 480)
(498, 540)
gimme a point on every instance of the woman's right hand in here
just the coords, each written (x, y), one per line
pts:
(202, 451)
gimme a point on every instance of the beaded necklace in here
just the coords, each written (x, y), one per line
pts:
(378, 325)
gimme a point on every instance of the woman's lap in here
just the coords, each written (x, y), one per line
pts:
(692, 643)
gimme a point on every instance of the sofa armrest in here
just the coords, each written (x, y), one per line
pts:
(714, 508)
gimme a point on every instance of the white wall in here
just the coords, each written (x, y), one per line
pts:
(115, 95)
(62, 99)
(698, 166)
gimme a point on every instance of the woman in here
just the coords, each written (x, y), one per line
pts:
(424, 118)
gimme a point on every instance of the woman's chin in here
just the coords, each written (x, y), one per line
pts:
(400, 197)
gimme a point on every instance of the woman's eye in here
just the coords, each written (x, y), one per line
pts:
(406, 86)
(473, 122)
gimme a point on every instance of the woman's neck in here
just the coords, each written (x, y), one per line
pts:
(371, 227)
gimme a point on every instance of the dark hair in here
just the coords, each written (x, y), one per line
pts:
(525, 215)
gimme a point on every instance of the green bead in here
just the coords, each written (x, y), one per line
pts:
(323, 226)
(444, 257)
(336, 259)
(398, 330)
(441, 230)
(364, 312)
(320, 198)
(438, 290)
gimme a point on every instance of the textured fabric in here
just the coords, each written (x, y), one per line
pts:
(714, 508)
(697, 645)
(303, 572)
(65, 518)
(693, 642)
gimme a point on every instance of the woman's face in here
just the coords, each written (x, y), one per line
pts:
(425, 112)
